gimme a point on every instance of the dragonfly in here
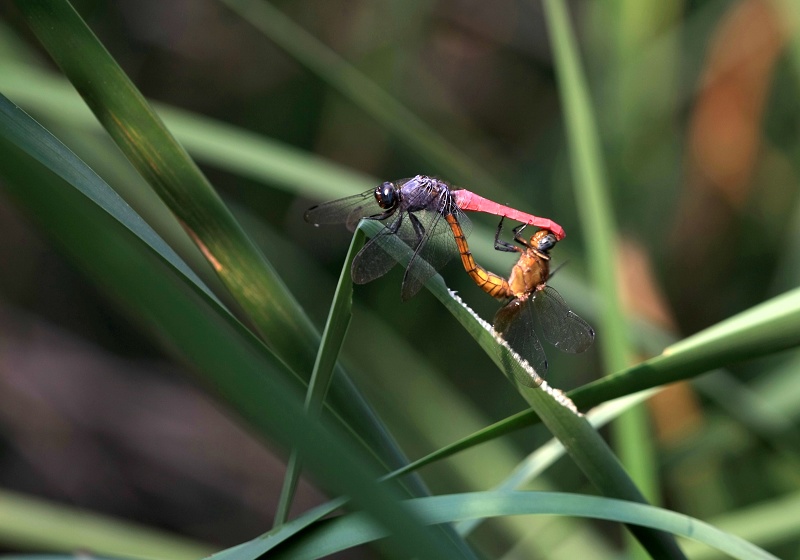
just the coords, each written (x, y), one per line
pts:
(531, 302)
(412, 210)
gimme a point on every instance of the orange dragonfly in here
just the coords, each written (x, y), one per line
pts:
(532, 301)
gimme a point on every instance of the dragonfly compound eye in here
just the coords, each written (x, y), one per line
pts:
(547, 242)
(386, 195)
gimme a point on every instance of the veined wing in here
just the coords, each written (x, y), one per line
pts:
(348, 210)
(374, 259)
(435, 244)
(515, 323)
(561, 326)
(414, 223)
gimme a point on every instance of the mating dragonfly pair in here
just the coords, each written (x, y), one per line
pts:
(428, 216)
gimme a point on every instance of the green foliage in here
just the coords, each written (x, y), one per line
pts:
(229, 295)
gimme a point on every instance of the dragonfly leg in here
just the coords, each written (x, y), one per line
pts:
(419, 229)
(518, 233)
(381, 216)
(500, 245)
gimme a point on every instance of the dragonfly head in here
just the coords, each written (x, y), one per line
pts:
(386, 195)
(543, 241)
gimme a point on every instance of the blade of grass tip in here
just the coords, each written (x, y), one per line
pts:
(631, 430)
(354, 529)
(163, 162)
(331, 344)
(584, 445)
(362, 91)
(227, 356)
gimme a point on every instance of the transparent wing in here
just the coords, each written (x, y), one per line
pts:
(561, 326)
(374, 260)
(435, 244)
(415, 229)
(348, 210)
(515, 323)
(417, 222)
(431, 252)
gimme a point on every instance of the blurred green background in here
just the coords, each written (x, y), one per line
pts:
(700, 129)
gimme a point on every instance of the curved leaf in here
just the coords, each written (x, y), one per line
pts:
(354, 529)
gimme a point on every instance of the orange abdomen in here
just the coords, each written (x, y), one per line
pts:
(489, 282)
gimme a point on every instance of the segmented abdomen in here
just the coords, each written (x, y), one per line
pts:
(489, 282)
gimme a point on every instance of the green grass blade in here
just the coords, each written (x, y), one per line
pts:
(600, 236)
(166, 166)
(584, 445)
(330, 346)
(588, 174)
(498, 429)
(40, 525)
(143, 138)
(765, 329)
(582, 442)
(259, 546)
(544, 457)
(765, 524)
(19, 129)
(208, 140)
(363, 92)
(231, 362)
(352, 530)
(769, 328)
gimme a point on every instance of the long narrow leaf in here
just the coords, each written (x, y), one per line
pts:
(352, 530)
(143, 138)
(208, 140)
(228, 358)
(163, 162)
(21, 130)
(600, 236)
(768, 328)
(330, 346)
(584, 445)
(765, 329)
